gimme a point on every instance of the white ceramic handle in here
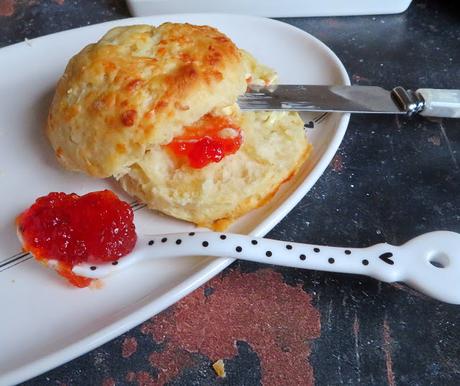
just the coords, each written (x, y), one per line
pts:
(409, 263)
(440, 103)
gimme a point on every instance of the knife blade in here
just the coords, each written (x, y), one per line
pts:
(352, 99)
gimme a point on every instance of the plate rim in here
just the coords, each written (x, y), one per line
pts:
(153, 307)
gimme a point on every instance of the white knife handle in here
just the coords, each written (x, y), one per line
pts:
(440, 103)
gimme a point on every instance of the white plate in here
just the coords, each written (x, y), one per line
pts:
(44, 322)
(270, 8)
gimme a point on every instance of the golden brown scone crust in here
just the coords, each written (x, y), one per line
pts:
(136, 88)
(274, 147)
(120, 100)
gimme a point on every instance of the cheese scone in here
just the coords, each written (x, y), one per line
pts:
(137, 87)
(154, 107)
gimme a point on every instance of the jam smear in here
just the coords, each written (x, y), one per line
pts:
(94, 228)
(208, 140)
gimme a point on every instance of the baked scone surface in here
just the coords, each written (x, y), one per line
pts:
(137, 87)
(131, 106)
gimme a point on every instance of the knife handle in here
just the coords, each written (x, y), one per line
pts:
(440, 103)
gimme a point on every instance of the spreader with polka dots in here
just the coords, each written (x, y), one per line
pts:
(428, 263)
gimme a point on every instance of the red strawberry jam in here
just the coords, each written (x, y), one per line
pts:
(208, 140)
(94, 228)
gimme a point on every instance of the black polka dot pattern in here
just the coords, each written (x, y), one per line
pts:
(255, 247)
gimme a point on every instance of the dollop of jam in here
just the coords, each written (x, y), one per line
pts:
(94, 228)
(208, 140)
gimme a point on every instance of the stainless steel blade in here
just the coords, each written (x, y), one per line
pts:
(352, 99)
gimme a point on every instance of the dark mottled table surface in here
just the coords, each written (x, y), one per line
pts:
(392, 179)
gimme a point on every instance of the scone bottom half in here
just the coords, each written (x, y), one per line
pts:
(155, 108)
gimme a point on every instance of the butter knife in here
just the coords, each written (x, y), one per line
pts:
(353, 99)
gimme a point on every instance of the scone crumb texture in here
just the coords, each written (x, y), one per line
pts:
(219, 368)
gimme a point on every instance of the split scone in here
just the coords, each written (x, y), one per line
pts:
(154, 107)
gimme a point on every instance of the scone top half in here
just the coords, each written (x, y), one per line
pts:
(136, 88)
